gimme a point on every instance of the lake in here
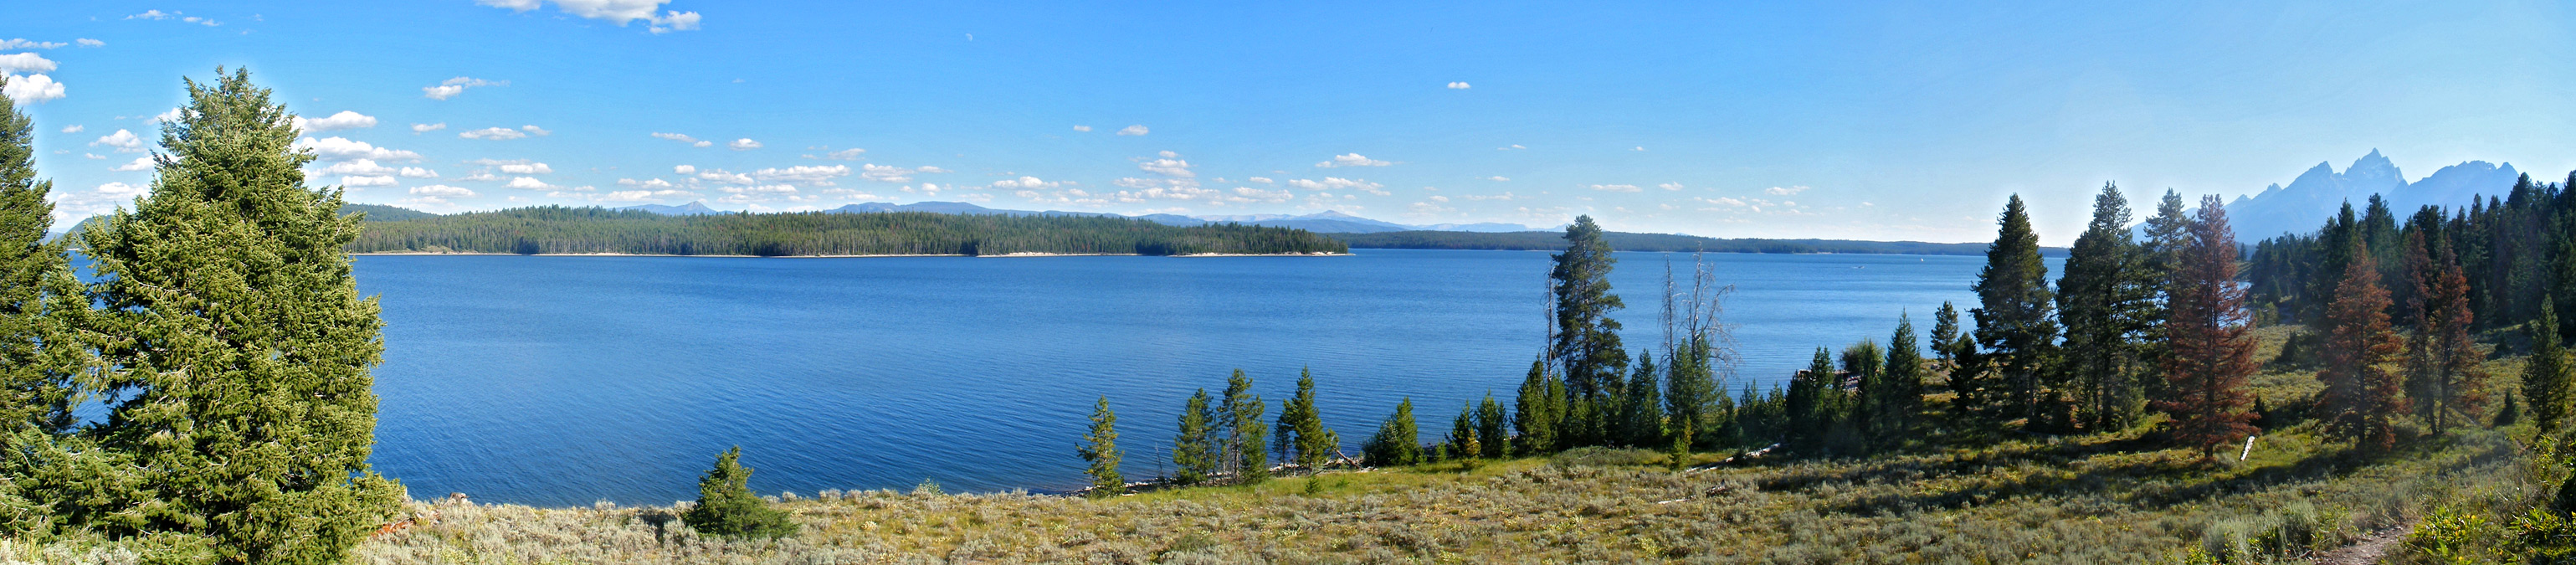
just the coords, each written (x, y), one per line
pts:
(563, 380)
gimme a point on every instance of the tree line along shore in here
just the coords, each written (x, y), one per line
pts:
(2148, 405)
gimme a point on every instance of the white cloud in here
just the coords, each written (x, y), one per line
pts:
(123, 141)
(36, 88)
(426, 128)
(1640, 148)
(744, 144)
(761, 189)
(682, 138)
(93, 156)
(1081, 128)
(357, 167)
(481, 176)
(1273, 196)
(1784, 191)
(1025, 183)
(883, 173)
(526, 168)
(1482, 197)
(1513, 147)
(444, 191)
(1498, 178)
(122, 190)
(87, 42)
(1616, 188)
(342, 149)
(25, 63)
(1337, 183)
(1262, 180)
(343, 120)
(1133, 130)
(1459, 86)
(631, 195)
(494, 133)
(684, 169)
(1353, 160)
(648, 183)
(367, 181)
(139, 164)
(9, 44)
(73, 128)
(1670, 186)
(160, 15)
(171, 117)
(417, 173)
(454, 86)
(527, 183)
(1169, 167)
(851, 154)
(821, 175)
(620, 12)
(534, 130)
(724, 176)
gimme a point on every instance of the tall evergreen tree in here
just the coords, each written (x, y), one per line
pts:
(1896, 397)
(1195, 450)
(1863, 361)
(241, 386)
(2210, 350)
(2360, 395)
(1301, 434)
(41, 304)
(1491, 429)
(1585, 343)
(1945, 333)
(2103, 300)
(1100, 452)
(1539, 411)
(2546, 378)
(2444, 377)
(1398, 441)
(727, 507)
(1691, 395)
(1239, 417)
(2015, 328)
(1462, 442)
(1809, 407)
(1641, 411)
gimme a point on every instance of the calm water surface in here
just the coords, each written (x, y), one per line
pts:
(567, 380)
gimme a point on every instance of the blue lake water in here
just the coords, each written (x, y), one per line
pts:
(565, 380)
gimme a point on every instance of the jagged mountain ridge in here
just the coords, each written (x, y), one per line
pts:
(2320, 192)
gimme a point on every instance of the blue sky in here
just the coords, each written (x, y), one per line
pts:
(1840, 120)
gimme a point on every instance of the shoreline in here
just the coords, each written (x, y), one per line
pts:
(1023, 254)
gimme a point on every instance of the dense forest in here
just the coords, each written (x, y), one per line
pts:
(1652, 242)
(562, 230)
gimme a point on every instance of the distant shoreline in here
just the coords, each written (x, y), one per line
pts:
(1001, 256)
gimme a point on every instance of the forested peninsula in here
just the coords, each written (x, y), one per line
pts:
(591, 230)
(1654, 242)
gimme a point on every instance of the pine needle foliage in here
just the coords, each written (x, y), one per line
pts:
(1099, 452)
(242, 394)
(727, 507)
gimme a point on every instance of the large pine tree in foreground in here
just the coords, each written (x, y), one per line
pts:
(2210, 349)
(242, 392)
(2103, 301)
(2443, 376)
(41, 304)
(2016, 327)
(2360, 396)
(1099, 452)
(2546, 377)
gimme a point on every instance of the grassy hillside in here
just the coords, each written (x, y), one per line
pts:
(2111, 498)
(1657, 242)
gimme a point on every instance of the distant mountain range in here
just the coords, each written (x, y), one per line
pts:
(2321, 192)
(1320, 222)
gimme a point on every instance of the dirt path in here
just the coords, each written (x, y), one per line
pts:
(2368, 550)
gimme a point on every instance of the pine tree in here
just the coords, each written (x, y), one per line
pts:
(1539, 411)
(2360, 395)
(1100, 451)
(1239, 417)
(242, 365)
(1585, 344)
(2546, 377)
(1862, 361)
(41, 304)
(2507, 416)
(1691, 394)
(2446, 382)
(1896, 396)
(1641, 410)
(2210, 350)
(727, 507)
(1490, 428)
(2103, 300)
(2015, 328)
(1809, 408)
(1462, 442)
(1301, 434)
(1195, 451)
(1945, 334)
(1398, 441)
